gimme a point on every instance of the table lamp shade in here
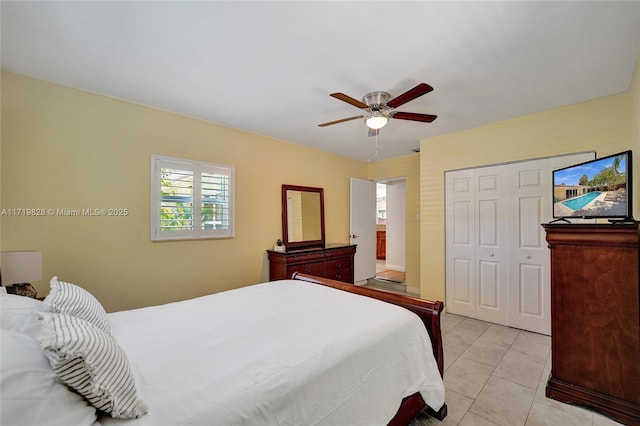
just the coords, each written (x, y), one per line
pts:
(19, 267)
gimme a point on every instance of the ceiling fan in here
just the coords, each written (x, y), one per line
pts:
(379, 109)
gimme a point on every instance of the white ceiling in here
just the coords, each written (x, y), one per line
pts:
(269, 67)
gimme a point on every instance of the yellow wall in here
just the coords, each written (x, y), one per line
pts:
(408, 167)
(68, 149)
(65, 148)
(602, 125)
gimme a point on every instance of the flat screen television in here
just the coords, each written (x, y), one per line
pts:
(599, 188)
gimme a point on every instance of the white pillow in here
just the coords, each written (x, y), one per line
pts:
(30, 393)
(91, 362)
(19, 313)
(70, 299)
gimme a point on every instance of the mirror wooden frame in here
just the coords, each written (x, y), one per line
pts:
(297, 245)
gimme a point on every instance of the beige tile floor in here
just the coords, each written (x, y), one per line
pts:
(496, 375)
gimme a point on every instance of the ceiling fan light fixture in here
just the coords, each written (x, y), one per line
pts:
(376, 121)
(379, 108)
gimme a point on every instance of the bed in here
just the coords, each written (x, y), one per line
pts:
(302, 351)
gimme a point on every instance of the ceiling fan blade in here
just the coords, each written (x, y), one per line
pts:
(425, 118)
(340, 121)
(373, 132)
(409, 95)
(348, 99)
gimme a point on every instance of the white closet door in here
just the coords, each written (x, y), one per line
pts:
(497, 259)
(477, 243)
(529, 276)
(493, 194)
(460, 242)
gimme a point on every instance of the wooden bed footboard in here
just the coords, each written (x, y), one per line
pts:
(428, 311)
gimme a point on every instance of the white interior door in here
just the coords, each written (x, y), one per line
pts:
(363, 228)
(492, 253)
(530, 298)
(460, 243)
(477, 243)
(497, 259)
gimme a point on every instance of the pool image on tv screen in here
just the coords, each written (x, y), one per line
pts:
(595, 189)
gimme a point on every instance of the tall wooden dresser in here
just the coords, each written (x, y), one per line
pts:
(333, 261)
(595, 318)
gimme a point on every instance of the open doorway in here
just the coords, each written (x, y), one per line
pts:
(390, 230)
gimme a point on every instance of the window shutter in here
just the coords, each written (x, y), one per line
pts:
(191, 199)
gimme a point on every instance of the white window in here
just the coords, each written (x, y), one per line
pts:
(191, 199)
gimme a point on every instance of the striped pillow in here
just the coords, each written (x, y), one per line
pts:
(69, 299)
(92, 363)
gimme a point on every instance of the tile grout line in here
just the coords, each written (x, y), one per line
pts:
(493, 375)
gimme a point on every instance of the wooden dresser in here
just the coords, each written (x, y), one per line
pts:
(334, 261)
(595, 318)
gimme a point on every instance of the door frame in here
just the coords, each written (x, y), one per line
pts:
(365, 265)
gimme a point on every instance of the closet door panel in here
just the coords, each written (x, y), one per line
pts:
(462, 224)
(488, 288)
(491, 250)
(531, 292)
(463, 289)
(460, 243)
(529, 296)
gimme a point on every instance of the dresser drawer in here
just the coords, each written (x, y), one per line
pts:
(335, 262)
(305, 257)
(312, 268)
(340, 269)
(342, 252)
(344, 276)
(340, 264)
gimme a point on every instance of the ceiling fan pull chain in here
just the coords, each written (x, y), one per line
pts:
(376, 154)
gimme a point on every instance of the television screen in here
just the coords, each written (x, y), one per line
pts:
(599, 188)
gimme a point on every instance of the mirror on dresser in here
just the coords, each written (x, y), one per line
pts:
(302, 217)
(304, 240)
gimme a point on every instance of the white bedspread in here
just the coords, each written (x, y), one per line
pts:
(279, 353)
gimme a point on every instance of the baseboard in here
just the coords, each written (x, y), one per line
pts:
(413, 291)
